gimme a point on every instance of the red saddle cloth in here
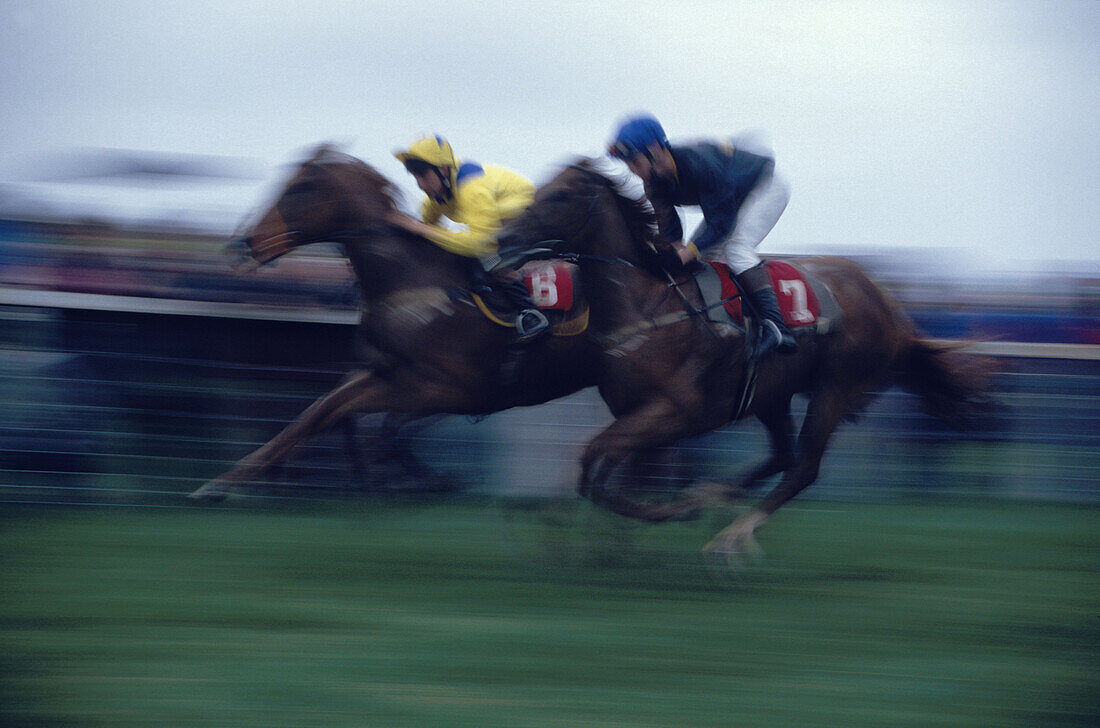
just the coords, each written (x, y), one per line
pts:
(797, 301)
(550, 284)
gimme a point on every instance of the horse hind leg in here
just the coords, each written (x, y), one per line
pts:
(822, 417)
(780, 428)
(360, 392)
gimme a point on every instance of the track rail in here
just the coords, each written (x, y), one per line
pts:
(349, 316)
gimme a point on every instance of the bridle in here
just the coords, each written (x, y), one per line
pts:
(294, 238)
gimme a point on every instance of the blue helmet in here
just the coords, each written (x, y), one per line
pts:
(635, 135)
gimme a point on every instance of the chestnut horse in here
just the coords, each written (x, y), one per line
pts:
(668, 373)
(427, 346)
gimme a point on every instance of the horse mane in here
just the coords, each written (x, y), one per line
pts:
(362, 180)
(637, 212)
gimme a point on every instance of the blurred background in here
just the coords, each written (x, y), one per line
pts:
(927, 578)
(927, 142)
(134, 354)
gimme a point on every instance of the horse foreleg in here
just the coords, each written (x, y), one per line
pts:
(360, 392)
(822, 417)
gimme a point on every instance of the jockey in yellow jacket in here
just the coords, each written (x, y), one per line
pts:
(480, 197)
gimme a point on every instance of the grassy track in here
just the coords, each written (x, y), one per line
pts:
(474, 614)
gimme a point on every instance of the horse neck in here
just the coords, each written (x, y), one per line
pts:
(386, 260)
(617, 288)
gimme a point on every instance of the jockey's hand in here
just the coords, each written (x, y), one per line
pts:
(677, 256)
(687, 251)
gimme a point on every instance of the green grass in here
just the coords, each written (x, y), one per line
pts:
(476, 614)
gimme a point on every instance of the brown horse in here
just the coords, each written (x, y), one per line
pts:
(670, 374)
(428, 347)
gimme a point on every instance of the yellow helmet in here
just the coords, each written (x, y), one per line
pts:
(434, 150)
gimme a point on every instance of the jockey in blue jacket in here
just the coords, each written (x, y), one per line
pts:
(741, 199)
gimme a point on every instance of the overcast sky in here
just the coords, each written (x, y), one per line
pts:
(966, 125)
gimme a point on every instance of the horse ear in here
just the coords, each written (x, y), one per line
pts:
(324, 149)
(321, 150)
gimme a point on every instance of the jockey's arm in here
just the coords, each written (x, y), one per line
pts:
(429, 219)
(670, 227)
(718, 202)
(410, 223)
(716, 226)
(668, 218)
(477, 210)
(477, 241)
(430, 211)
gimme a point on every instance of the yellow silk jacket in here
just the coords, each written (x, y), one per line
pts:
(484, 199)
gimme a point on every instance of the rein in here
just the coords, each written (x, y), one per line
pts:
(300, 240)
(342, 236)
(586, 257)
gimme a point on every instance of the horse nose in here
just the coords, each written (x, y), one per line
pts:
(239, 249)
(238, 246)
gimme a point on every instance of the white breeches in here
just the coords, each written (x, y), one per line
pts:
(757, 216)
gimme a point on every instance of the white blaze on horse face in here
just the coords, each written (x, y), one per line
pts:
(270, 238)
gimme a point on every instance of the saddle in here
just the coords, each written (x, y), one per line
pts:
(554, 287)
(804, 300)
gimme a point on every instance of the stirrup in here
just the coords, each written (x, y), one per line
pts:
(772, 337)
(785, 341)
(531, 323)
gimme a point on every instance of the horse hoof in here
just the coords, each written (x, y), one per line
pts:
(210, 493)
(736, 548)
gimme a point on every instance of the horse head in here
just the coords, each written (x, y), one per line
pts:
(329, 196)
(580, 212)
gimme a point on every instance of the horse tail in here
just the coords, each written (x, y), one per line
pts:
(954, 386)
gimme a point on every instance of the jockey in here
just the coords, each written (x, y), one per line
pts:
(480, 197)
(741, 198)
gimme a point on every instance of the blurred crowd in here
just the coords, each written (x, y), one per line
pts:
(96, 257)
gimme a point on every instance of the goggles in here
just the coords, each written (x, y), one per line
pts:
(416, 166)
(623, 151)
(627, 152)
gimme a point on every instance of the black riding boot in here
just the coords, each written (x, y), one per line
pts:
(774, 333)
(531, 323)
